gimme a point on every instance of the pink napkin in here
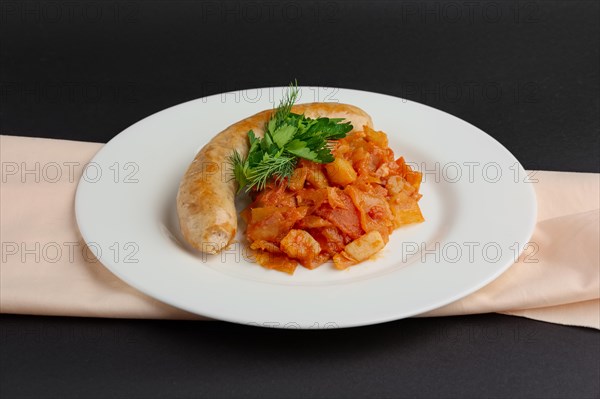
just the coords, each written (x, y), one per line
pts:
(47, 270)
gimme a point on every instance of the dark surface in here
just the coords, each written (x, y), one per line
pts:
(526, 72)
(473, 356)
(529, 77)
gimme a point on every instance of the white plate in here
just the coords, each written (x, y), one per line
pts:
(479, 208)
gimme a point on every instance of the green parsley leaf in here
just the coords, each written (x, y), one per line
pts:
(240, 169)
(284, 135)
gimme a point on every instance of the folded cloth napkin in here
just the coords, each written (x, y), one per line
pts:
(46, 268)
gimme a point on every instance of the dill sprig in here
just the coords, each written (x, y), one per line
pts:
(285, 106)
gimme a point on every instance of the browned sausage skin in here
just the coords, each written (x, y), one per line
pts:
(206, 197)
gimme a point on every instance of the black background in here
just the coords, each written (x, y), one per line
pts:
(526, 72)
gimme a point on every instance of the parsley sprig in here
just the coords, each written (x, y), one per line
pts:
(288, 137)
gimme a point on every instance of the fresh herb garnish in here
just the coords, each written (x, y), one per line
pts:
(287, 138)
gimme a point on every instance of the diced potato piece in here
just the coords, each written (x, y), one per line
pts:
(341, 261)
(365, 246)
(299, 244)
(378, 138)
(260, 214)
(298, 178)
(406, 212)
(358, 155)
(340, 172)
(317, 178)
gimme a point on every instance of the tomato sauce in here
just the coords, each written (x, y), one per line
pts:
(344, 210)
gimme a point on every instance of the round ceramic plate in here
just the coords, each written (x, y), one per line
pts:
(479, 208)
